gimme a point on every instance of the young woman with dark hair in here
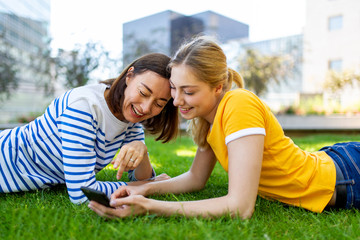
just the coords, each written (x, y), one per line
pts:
(82, 130)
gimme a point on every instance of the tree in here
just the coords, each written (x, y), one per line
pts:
(8, 70)
(337, 81)
(75, 66)
(41, 65)
(259, 70)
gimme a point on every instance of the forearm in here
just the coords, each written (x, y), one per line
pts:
(193, 180)
(186, 182)
(144, 170)
(209, 208)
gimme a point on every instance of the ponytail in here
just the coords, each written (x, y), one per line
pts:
(208, 62)
(235, 77)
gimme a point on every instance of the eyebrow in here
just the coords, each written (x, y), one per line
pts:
(164, 99)
(185, 86)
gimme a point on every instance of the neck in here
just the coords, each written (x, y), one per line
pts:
(211, 116)
(107, 99)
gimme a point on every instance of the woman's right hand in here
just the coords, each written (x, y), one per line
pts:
(125, 207)
(137, 187)
(129, 157)
(125, 191)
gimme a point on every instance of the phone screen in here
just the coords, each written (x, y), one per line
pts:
(97, 196)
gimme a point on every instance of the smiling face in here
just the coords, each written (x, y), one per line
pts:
(145, 96)
(194, 98)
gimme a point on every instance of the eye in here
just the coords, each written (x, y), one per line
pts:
(142, 93)
(189, 93)
(172, 85)
(159, 105)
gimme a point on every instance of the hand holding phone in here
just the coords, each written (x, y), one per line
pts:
(97, 196)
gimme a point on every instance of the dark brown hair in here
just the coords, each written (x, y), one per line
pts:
(165, 124)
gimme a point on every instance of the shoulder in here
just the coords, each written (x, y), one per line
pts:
(89, 93)
(240, 94)
(241, 104)
(86, 100)
(241, 100)
(87, 97)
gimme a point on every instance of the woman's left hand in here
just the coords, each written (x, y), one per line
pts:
(124, 207)
(129, 157)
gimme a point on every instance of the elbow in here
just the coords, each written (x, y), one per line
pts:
(76, 202)
(242, 210)
(197, 187)
(195, 182)
(241, 213)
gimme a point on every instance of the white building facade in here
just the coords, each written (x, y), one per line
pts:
(24, 26)
(331, 42)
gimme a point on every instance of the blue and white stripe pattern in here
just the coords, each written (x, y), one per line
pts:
(75, 138)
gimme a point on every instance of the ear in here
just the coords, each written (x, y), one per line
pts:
(219, 89)
(128, 74)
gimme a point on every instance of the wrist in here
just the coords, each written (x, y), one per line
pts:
(147, 189)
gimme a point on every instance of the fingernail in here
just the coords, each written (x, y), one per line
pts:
(112, 202)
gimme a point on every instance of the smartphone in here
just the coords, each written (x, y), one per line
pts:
(97, 196)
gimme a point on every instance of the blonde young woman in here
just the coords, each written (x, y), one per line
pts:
(237, 129)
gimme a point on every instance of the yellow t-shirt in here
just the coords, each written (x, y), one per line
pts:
(288, 174)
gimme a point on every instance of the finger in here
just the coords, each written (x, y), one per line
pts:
(123, 165)
(120, 172)
(122, 169)
(117, 202)
(120, 192)
(100, 209)
(127, 161)
(119, 157)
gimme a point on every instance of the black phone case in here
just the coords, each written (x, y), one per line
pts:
(96, 196)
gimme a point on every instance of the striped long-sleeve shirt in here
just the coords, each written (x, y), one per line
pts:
(76, 137)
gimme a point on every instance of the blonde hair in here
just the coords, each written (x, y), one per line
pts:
(208, 63)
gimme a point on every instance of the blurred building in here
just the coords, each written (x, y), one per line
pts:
(165, 31)
(331, 42)
(290, 48)
(24, 30)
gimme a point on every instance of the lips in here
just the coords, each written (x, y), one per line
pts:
(185, 110)
(136, 113)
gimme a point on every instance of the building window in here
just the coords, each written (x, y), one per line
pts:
(335, 65)
(335, 23)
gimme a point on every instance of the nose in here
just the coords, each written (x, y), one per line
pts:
(178, 99)
(146, 106)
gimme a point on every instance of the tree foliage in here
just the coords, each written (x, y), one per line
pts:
(9, 79)
(41, 65)
(259, 70)
(75, 67)
(337, 81)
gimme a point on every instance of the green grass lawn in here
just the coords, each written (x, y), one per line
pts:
(49, 214)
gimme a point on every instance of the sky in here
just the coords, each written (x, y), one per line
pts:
(81, 21)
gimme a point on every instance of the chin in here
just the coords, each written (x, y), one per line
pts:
(187, 117)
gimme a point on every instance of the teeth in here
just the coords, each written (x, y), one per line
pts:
(136, 112)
